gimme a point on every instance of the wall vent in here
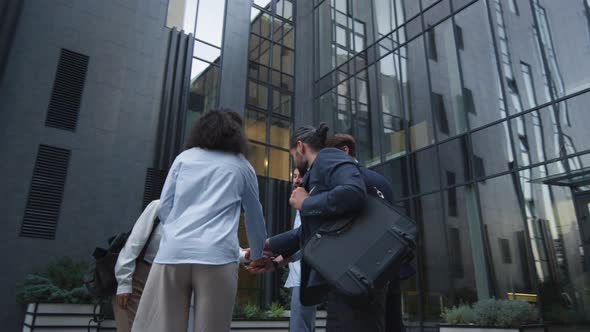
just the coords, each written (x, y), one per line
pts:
(154, 181)
(66, 96)
(46, 193)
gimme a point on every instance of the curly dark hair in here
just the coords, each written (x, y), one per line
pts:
(219, 130)
(315, 138)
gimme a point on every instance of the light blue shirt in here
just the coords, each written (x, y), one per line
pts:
(294, 278)
(200, 209)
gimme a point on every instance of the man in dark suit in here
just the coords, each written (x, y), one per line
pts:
(377, 185)
(333, 187)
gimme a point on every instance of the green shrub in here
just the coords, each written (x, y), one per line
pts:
(515, 313)
(251, 311)
(60, 282)
(462, 314)
(493, 313)
(276, 310)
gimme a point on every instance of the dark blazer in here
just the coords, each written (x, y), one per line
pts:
(336, 188)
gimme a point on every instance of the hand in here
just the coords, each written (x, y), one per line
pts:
(268, 266)
(259, 262)
(297, 197)
(122, 300)
(266, 253)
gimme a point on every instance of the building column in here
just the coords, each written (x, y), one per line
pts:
(234, 55)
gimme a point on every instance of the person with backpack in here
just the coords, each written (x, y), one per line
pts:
(133, 265)
(200, 209)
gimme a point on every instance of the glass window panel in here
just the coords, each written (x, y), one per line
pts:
(536, 136)
(285, 9)
(465, 248)
(564, 78)
(407, 9)
(206, 52)
(211, 14)
(576, 138)
(257, 95)
(385, 17)
(447, 91)
(254, 13)
(257, 157)
(453, 158)
(281, 103)
(482, 98)
(287, 59)
(325, 46)
(447, 250)
(181, 15)
(394, 141)
(396, 172)
(261, 25)
(424, 166)
(414, 82)
(197, 68)
(428, 3)
(202, 92)
(556, 239)
(256, 125)
(493, 146)
(288, 37)
(279, 167)
(437, 13)
(262, 3)
(504, 229)
(280, 132)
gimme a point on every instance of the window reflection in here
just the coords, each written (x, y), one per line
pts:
(493, 144)
(210, 21)
(280, 132)
(482, 97)
(279, 164)
(424, 168)
(453, 158)
(255, 125)
(258, 158)
(447, 92)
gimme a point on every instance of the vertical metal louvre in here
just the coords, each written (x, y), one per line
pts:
(46, 193)
(66, 96)
(154, 181)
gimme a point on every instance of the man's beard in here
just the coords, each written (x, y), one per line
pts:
(301, 164)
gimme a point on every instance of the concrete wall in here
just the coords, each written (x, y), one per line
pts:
(115, 136)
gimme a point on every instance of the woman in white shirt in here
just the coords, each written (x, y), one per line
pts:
(199, 212)
(133, 265)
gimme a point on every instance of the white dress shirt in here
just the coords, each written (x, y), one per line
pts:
(136, 241)
(294, 278)
(200, 209)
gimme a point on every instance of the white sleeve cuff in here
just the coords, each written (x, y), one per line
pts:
(124, 289)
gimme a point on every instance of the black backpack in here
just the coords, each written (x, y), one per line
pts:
(100, 281)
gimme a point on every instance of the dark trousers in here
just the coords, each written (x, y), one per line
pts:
(353, 314)
(393, 320)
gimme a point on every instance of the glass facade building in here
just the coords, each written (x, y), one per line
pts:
(474, 110)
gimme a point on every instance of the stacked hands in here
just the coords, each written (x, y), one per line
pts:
(270, 261)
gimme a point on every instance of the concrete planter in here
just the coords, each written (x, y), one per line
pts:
(41, 317)
(275, 325)
(475, 328)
